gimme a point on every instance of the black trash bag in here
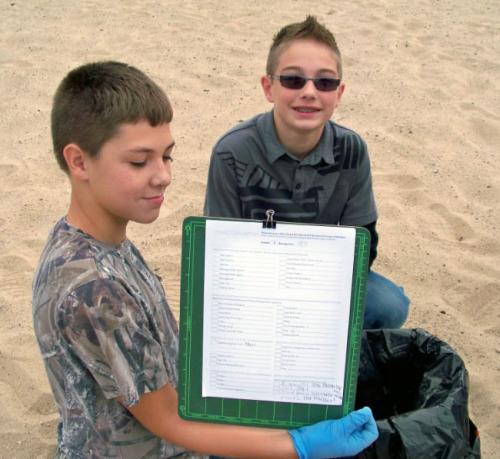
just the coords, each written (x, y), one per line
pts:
(417, 387)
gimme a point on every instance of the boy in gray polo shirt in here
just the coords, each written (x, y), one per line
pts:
(298, 162)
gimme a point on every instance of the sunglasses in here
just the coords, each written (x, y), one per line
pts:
(298, 82)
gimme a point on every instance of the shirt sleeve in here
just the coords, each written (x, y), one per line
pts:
(222, 197)
(111, 335)
(360, 208)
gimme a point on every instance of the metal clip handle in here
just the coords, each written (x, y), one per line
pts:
(269, 221)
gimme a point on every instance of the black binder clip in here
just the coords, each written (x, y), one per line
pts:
(269, 221)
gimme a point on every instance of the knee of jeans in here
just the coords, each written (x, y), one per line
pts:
(403, 315)
(391, 311)
(399, 311)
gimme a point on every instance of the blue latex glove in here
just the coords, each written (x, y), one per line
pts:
(336, 438)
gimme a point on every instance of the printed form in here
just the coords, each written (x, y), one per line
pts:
(276, 311)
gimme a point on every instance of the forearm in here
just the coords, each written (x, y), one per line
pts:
(157, 412)
(232, 441)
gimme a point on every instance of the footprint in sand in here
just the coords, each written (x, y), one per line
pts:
(479, 305)
(402, 181)
(459, 229)
(12, 371)
(16, 273)
(7, 171)
(399, 191)
(484, 400)
(485, 130)
(486, 313)
(472, 107)
(44, 405)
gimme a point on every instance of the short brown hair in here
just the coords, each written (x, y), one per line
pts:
(309, 28)
(93, 100)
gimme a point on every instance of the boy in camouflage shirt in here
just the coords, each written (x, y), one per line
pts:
(106, 333)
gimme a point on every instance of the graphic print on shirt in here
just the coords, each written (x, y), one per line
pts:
(259, 190)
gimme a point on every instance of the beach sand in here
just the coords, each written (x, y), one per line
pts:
(422, 89)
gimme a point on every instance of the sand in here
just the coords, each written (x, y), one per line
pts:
(422, 88)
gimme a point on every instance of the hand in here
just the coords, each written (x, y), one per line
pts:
(336, 438)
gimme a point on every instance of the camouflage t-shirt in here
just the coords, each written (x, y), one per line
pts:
(105, 330)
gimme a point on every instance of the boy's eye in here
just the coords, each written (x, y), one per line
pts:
(143, 163)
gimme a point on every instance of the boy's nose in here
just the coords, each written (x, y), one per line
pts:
(163, 175)
(309, 89)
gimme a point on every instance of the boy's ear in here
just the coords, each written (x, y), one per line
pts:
(341, 91)
(266, 84)
(76, 159)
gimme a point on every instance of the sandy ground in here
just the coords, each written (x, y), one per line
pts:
(422, 88)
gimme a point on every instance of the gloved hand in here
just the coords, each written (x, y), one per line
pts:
(336, 438)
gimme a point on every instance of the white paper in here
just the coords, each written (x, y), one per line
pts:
(276, 311)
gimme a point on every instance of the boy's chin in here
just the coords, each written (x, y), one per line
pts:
(309, 126)
(145, 219)
(311, 123)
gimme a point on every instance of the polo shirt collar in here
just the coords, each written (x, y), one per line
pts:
(275, 150)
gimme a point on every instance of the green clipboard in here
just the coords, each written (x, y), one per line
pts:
(192, 406)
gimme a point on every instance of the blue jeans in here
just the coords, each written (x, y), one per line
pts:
(386, 304)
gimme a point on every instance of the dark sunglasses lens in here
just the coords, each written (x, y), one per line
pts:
(292, 81)
(298, 82)
(326, 84)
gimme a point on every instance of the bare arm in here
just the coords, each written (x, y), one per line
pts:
(157, 412)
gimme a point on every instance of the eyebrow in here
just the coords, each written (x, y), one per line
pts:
(300, 69)
(150, 150)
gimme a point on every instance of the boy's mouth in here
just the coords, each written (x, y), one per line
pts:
(155, 199)
(306, 109)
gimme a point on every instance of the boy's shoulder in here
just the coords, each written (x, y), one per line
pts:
(72, 258)
(67, 244)
(255, 129)
(67, 255)
(342, 132)
(247, 129)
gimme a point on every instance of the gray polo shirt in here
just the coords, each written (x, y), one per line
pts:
(250, 172)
